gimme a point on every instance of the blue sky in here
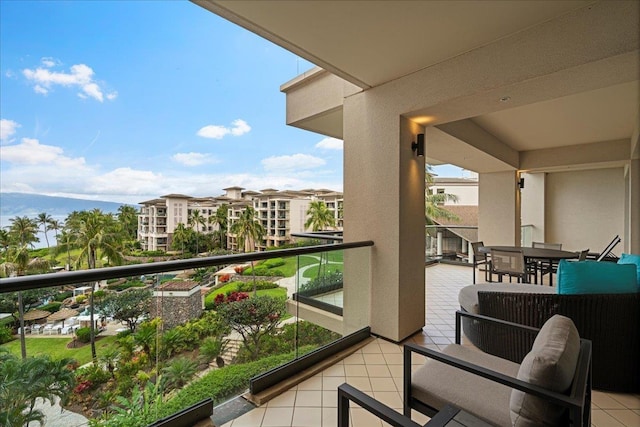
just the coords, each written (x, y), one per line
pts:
(130, 100)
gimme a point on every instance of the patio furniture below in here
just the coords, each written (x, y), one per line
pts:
(510, 263)
(479, 258)
(610, 321)
(557, 368)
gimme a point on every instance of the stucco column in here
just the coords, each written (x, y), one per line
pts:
(384, 202)
(499, 208)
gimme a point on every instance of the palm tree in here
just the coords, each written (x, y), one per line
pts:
(434, 202)
(180, 236)
(20, 263)
(5, 240)
(221, 219)
(248, 230)
(128, 218)
(55, 225)
(24, 230)
(44, 219)
(319, 217)
(96, 233)
(196, 219)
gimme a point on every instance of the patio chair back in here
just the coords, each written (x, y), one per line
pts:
(606, 253)
(544, 245)
(479, 258)
(510, 263)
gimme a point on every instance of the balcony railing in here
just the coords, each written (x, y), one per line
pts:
(180, 301)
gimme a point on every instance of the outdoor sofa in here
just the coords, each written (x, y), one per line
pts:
(611, 320)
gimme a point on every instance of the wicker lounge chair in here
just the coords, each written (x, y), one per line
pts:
(610, 321)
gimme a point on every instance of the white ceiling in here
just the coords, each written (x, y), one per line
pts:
(370, 43)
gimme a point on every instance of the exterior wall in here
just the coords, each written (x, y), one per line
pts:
(467, 193)
(499, 213)
(586, 208)
(533, 208)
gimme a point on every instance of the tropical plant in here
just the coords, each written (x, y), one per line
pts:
(109, 358)
(44, 220)
(195, 219)
(20, 263)
(434, 202)
(212, 348)
(248, 230)
(181, 236)
(178, 373)
(24, 381)
(128, 218)
(127, 306)
(319, 217)
(96, 234)
(221, 219)
(253, 318)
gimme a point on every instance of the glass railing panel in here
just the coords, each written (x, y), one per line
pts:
(172, 337)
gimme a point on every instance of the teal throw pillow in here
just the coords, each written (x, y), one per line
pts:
(631, 259)
(592, 277)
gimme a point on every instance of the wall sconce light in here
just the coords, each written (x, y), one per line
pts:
(418, 147)
(521, 183)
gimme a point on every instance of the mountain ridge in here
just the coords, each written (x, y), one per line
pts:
(30, 205)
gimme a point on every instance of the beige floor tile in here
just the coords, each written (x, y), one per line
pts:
(334, 371)
(393, 358)
(329, 417)
(630, 401)
(389, 347)
(372, 347)
(378, 371)
(354, 359)
(363, 418)
(277, 417)
(330, 399)
(307, 417)
(288, 398)
(309, 398)
(599, 418)
(383, 384)
(332, 383)
(361, 383)
(227, 424)
(390, 398)
(396, 370)
(625, 416)
(313, 383)
(419, 417)
(374, 359)
(355, 370)
(250, 419)
(605, 401)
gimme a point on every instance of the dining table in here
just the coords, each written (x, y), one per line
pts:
(535, 254)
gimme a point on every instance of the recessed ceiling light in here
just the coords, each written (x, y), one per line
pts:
(505, 98)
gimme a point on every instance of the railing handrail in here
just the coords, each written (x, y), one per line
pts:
(37, 281)
(320, 235)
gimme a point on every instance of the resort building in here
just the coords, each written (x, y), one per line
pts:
(281, 213)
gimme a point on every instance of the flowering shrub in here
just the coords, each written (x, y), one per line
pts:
(82, 387)
(232, 297)
(238, 269)
(224, 278)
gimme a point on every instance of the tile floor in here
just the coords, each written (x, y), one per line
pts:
(377, 370)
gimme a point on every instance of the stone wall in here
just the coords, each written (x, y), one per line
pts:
(176, 310)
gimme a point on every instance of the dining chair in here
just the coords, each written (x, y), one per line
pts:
(544, 266)
(479, 258)
(510, 263)
(583, 255)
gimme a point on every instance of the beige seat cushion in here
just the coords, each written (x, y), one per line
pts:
(437, 384)
(551, 364)
(468, 296)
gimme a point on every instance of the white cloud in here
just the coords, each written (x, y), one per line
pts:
(330, 144)
(80, 76)
(49, 62)
(31, 152)
(194, 159)
(238, 127)
(7, 129)
(291, 163)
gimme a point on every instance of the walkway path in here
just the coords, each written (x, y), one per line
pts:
(55, 416)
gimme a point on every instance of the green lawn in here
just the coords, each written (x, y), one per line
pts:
(57, 348)
(313, 271)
